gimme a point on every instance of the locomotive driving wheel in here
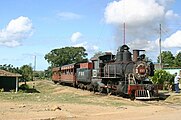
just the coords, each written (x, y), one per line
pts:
(100, 89)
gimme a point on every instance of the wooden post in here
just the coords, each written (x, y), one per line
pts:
(17, 84)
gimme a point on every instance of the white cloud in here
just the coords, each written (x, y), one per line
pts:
(142, 18)
(17, 30)
(173, 41)
(170, 15)
(145, 45)
(90, 48)
(11, 43)
(133, 12)
(68, 16)
(76, 36)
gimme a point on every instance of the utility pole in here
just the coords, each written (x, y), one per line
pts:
(160, 46)
(34, 62)
(34, 67)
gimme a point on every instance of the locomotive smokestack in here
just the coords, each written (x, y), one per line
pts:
(135, 55)
(119, 55)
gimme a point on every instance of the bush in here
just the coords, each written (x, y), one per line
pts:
(163, 77)
(24, 87)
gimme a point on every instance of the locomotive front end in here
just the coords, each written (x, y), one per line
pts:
(135, 74)
(143, 89)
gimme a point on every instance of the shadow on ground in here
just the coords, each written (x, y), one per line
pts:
(31, 90)
(25, 88)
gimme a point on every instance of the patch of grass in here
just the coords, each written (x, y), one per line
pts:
(176, 98)
(46, 90)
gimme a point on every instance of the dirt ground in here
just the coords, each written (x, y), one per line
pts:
(49, 111)
(169, 109)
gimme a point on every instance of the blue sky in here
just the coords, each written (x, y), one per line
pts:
(31, 28)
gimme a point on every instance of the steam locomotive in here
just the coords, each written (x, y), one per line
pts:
(112, 74)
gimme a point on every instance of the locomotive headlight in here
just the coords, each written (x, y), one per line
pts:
(140, 70)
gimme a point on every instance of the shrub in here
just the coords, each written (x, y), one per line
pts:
(24, 87)
(164, 78)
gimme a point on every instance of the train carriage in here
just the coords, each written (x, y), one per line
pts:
(68, 74)
(56, 74)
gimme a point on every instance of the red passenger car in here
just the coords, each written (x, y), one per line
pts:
(68, 73)
(56, 74)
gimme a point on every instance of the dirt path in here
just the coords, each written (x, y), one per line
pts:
(52, 111)
(130, 110)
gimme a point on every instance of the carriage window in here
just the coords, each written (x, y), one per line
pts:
(71, 72)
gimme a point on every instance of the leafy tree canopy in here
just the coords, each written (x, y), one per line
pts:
(178, 60)
(10, 68)
(167, 58)
(66, 55)
(27, 72)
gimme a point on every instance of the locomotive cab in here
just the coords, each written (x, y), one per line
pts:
(98, 69)
(99, 63)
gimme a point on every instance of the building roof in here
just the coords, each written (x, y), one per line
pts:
(8, 74)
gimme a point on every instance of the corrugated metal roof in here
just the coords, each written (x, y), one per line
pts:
(9, 74)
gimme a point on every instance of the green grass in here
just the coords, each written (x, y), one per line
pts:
(46, 94)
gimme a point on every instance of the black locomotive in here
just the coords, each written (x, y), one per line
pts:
(117, 74)
(124, 75)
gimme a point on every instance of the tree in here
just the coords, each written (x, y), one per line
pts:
(48, 72)
(178, 60)
(26, 72)
(38, 75)
(167, 58)
(10, 68)
(67, 55)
